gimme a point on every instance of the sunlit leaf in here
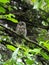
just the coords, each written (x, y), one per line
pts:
(13, 20)
(4, 1)
(44, 23)
(11, 47)
(10, 17)
(33, 0)
(36, 50)
(46, 44)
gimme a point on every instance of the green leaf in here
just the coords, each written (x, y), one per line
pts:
(47, 1)
(10, 17)
(11, 47)
(14, 55)
(46, 44)
(2, 10)
(29, 61)
(33, 1)
(44, 23)
(4, 1)
(13, 20)
(36, 50)
(45, 55)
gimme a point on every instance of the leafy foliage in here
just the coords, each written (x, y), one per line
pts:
(35, 13)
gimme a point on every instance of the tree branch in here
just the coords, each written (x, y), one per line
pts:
(27, 39)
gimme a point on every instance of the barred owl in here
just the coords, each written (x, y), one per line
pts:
(21, 28)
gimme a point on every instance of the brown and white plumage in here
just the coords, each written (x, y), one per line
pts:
(21, 30)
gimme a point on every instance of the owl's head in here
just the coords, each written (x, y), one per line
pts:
(21, 23)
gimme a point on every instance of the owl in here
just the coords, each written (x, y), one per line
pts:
(21, 30)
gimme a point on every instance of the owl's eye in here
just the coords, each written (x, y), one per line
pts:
(22, 24)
